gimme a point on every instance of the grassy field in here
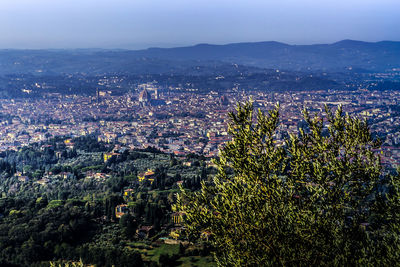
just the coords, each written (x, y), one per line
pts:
(153, 252)
(196, 261)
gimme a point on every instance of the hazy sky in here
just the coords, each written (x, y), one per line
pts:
(166, 23)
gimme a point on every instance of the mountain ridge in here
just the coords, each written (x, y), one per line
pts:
(335, 57)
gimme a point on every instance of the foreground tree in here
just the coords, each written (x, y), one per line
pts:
(310, 201)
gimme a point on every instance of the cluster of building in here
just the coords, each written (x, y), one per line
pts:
(182, 122)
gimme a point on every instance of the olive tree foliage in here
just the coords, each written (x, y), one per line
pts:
(309, 201)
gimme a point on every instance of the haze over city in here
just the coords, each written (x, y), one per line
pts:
(141, 24)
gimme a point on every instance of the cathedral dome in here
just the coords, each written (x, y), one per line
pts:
(144, 96)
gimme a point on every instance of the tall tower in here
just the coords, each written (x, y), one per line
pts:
(156, 93)
(97, 96)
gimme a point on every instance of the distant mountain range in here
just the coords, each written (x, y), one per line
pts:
(338, 56)
(346, 55)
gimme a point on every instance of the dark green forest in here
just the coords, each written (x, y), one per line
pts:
(59, 204)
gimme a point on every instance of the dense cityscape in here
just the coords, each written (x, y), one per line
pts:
(178, 121)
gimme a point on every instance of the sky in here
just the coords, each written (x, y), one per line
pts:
(137, 24)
